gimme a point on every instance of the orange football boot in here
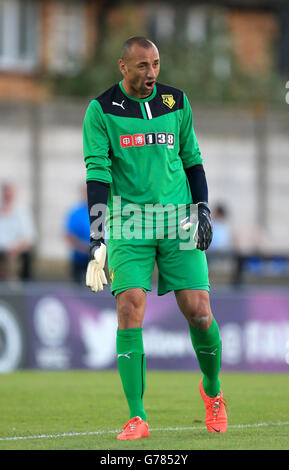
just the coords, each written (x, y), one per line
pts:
(135, 428)
(216, 416)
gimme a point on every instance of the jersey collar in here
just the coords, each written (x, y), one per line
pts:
(139, 100)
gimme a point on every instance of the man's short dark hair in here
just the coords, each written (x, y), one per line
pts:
(139, 40)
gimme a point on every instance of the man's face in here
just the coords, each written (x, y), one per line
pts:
(140, 69)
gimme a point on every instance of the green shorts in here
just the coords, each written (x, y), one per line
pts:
(131, 264)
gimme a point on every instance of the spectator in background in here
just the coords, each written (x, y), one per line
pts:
(78, 235)
(220, 252)
(17, 237)
(250, 242)
(222, 232)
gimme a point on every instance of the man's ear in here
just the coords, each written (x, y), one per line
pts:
(122, 66)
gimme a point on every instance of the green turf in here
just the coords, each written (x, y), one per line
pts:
(49, 403)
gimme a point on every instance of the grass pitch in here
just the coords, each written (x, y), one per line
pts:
(84, 410)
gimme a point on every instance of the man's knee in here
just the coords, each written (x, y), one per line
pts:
(130, 308)
(195, 305)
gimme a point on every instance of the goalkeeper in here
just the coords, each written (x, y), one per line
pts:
(140, 146)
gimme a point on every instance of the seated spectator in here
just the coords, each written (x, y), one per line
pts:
(222, 233)
(250, 241)
(17, 237)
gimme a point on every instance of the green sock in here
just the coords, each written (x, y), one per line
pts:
(131, 365)
(207, 345)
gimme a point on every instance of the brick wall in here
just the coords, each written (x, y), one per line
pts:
(253, 34)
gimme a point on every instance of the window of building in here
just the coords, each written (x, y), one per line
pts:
(18, 34)
(284, 41)
(67, 39)
(160, 21)
(197, 25)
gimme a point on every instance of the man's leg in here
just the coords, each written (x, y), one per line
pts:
(195, 305)
(131, 264)
(205, 336)
(130, 355)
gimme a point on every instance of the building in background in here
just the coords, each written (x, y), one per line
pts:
(40, 39)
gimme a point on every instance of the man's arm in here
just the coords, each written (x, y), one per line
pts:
(196, 176)
(96, 145)
(96, 155)
(189, 147)
(97, 195)
(198, 183)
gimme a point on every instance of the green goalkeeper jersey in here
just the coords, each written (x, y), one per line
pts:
(141, 146)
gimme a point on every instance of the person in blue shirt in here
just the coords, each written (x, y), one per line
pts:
(77, 235)
(222, 240)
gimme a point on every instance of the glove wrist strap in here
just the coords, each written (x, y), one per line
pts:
(204, 204)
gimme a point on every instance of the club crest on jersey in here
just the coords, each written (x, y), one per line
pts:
(169, 101)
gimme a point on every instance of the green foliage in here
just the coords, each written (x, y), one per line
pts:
(205, 68)
(91, 81)
(189, 68)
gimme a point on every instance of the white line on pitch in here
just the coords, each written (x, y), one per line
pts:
(95, 433)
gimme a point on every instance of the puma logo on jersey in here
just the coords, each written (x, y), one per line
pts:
(114, 103)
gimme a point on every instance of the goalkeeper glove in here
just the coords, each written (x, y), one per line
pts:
(204, 230)
(95, 276)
